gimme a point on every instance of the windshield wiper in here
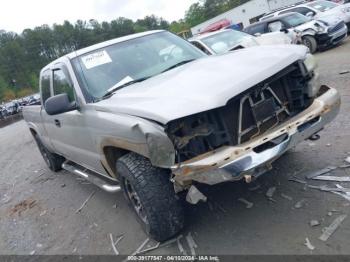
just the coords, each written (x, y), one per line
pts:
(117, 87)
(178, 64)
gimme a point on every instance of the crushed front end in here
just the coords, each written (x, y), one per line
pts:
(244, 137)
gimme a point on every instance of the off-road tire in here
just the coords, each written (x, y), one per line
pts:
(310, 42)
(160, 205)
(53, 161)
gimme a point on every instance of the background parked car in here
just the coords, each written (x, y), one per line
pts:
(2, 112)
(320, 9)
(34, 100)
(11, 108)
(315, 34)
(222, 41)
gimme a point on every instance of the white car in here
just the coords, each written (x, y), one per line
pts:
(226, 40)
(319, 10)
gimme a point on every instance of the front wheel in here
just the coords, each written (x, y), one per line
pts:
(151, 195)
(310, 42)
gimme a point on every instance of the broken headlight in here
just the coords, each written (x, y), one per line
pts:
(197, 134)
(319, 28)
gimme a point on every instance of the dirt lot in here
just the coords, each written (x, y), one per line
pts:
(38, 208)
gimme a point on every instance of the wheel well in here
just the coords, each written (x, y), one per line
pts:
(112, 154)
(32, 131)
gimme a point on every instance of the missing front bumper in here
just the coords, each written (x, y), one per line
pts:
(253, 158)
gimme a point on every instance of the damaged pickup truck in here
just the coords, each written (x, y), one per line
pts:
(152, 115)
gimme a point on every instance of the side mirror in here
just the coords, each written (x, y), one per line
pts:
(257, 34)
(284, 30)
(309, 15)
(59, 104)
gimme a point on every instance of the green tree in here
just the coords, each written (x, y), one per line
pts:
(195, 14)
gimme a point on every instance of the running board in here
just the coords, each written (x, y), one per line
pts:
(91, 177)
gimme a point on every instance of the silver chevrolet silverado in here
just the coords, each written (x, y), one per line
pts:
(151, 115)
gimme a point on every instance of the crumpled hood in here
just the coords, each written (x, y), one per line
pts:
(330, 20)
(201, 85)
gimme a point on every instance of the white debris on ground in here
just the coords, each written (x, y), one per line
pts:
(317, 173)
(299, 204)
(308, 244)
(140, 247)
(114, 243)
(192, 245)
(314, 223)
(328, 231)
(286, 197)
(345, 195)
(347, 160)
(194, 196)
(85, 202)
(333, 178)
(180, 247)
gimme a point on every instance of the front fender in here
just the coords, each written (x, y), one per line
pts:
(138, 135)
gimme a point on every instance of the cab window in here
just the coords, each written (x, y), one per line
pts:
(45, 86)
(62, 84)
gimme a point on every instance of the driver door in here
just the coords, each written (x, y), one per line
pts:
(67, 131)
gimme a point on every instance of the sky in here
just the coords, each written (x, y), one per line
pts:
(16, 15)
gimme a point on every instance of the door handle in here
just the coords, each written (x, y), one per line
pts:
(57, 123)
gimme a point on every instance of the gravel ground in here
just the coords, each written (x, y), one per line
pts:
(38, 208)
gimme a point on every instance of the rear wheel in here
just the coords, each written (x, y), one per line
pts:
(310, 42)
(53, 161)
(151, 195)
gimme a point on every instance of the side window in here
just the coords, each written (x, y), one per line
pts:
(62, 84)
(199, 46)
(45, 85)
(275, 26)
(305, 10)
(301, 10)
(254, 29)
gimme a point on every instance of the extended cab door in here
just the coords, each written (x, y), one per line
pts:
(67, 131)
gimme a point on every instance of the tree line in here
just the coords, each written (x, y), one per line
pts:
(23, 55)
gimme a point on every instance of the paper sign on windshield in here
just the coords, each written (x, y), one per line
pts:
(96, 59)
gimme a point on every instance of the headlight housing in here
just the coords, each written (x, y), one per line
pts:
(314, 84)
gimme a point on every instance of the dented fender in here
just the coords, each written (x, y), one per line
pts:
(138, 135)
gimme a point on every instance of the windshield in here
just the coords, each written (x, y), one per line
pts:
(295, 19)
(139, 58)
(222, 42)
(322, 5)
